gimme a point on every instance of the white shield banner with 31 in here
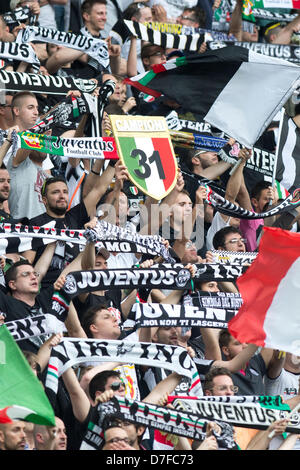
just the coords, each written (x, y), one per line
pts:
(144, 146)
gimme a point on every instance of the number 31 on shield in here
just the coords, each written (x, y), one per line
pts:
(142, 162)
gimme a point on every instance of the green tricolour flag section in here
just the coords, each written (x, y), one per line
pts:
(20, 390)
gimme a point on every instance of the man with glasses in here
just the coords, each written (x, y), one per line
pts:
(229, 239)
(193, 17)
(26, 300)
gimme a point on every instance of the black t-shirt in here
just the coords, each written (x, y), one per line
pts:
(15, 309)
(250, 381)
(75, 218)
(112, 298)
(5, 217)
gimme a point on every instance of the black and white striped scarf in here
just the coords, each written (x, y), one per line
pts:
(232, 210)
(185, 42)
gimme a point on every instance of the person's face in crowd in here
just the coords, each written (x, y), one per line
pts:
(155, 55)
(132, 432)
(27, 113)
(250, 37)
(4, 185)
(115, 435)
(61, 436)
(111, 382)
(116, 95)
(208, 159)
(27, 280)
(145, 15)
(182, 209)
(187, 18)
(96, 19)
(123, 94)
(222, 386)
(105, 325)
(5, 111)
(167, 335)
(12, 436)
(100, 262)
(233, 349)
(210, 286)
(56, 198)
(260, 203)
(190, 253)
(234, 242)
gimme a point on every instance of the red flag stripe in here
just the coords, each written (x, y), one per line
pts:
(167, 159)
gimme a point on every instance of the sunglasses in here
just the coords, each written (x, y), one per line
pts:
(117, 385)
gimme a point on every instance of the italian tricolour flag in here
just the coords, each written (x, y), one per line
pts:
(270, 289)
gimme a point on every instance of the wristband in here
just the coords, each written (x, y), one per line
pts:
(112, 162)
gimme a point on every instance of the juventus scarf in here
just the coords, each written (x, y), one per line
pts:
(18, 15)
(157, 417)
(96, 48)
(163, 276)
(233, 257)
(72, 351)
(76, 147)
(197, 141)
(288, 52)
(66, 111)
(239, 411)
(48, 84)
(35, 326)
(214, 300)
(16, 238)
(232, 210)
(126, 28)
(19, 52)
(152, 315)
(105, 230)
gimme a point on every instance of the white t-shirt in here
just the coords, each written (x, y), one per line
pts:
(286, 384)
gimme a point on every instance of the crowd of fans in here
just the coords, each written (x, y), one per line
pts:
(35, 190)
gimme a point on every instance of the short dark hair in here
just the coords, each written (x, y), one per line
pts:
(88, 317)
(11, 273)
(258, 188)
(214, 372)
(48, 181)
(98, 382)
(220, 235)
(87, 5)
(134, 10)
(199, 15)
(224, 338)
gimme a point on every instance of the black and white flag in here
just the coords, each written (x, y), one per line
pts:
(235, 69)
(288, 160)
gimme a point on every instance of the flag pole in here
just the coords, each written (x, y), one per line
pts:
(277, 151)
